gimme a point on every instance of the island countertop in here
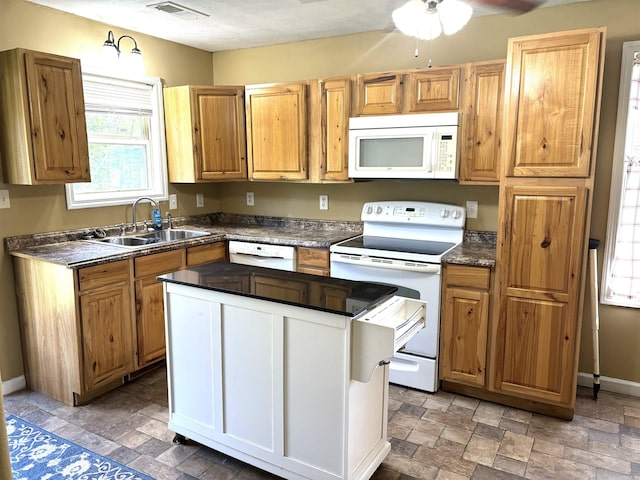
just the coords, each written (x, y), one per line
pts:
(291, 288)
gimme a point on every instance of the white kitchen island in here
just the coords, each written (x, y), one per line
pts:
(271, 368)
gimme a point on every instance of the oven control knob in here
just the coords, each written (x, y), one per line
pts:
(369, 210)
(457, 214)
(444, 213)
(378, 210)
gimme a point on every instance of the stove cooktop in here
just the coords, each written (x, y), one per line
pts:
(421, 247)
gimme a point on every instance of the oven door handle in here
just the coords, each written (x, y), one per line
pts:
(365, 261)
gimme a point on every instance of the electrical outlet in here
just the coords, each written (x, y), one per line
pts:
(324, 202)
(173, 201)
(472, 209)
(4, 199)
(199, 200)
(250, 199)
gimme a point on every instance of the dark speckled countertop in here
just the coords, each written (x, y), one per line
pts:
(477, 249)
(70, 249)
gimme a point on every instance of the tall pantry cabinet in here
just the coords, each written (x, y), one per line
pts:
(553, 85)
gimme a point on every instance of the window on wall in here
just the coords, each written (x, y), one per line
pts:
(621, 272)
(125, 130)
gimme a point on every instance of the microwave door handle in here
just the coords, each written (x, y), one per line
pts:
(433, 151)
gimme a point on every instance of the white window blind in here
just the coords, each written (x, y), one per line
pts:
(125, 131)
(621, 272)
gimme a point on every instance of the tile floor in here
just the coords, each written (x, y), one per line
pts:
(433, 436)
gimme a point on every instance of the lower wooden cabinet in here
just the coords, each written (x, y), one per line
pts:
(464, 324)
(84, 330)
(313, 260)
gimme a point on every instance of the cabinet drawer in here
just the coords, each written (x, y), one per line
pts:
(313, 257)
(464, 276)
(159, 263)
(105, 274)
(202, 254)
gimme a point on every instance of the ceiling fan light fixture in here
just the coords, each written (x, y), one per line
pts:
(426, 19)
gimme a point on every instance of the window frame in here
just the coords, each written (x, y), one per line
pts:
(629, 49)
(157, 168)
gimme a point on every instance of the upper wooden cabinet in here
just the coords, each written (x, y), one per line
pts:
(379, 93)
(408, 91)
(433, 90)
(205, 129)
(482, 107)
(43, 133)
(553, 85)
(276, 117)
(330, 108)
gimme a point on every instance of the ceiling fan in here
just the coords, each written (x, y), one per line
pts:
(521, 6)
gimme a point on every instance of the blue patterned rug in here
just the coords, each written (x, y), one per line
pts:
(40, 455)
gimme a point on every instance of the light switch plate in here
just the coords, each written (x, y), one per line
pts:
(199, 200)
(4, 199)
(173, 201)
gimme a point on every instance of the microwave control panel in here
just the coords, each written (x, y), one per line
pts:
(446, 152)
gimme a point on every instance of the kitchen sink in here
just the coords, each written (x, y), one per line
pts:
(151, 237)
(173, 234)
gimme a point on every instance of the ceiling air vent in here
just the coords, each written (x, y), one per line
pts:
(179, 11)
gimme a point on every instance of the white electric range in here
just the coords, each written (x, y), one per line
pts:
(403, 244)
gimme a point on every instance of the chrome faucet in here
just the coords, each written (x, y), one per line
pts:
(135, 204)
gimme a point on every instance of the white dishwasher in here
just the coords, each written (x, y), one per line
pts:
(280, 257)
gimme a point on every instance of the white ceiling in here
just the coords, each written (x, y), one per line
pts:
(233, 24)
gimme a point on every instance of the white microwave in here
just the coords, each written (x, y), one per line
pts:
(414, 146)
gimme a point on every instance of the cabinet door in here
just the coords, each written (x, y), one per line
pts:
(277, 132)
(535, 335)
(219, 132)
(205, 130)
(433, 90)
(289, 291)
(464, 335)
(150, 304)
(554, 93)
(483, 94)
(46, 140)
(214, 252)
(335, 112)
(313, 260)
(107, 335)
(379, 94)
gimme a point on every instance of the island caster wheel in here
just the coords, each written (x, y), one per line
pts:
(179, 439)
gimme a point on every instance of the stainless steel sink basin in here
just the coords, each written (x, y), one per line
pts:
(144, 239)
(173, 234)
(128, 241)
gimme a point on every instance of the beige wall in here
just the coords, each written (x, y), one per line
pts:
(484, 38)
(42, 208)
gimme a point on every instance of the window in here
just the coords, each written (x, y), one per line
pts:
(125, 130)
(621, 272)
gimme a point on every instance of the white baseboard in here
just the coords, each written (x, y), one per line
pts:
(610, 384)
(14, 385)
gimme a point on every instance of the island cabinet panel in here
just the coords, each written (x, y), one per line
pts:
(553, 100)
(482, 107)
(43, 133)
(269, 383)
(276, 119)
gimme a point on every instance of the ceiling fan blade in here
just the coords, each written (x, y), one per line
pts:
(518, 5)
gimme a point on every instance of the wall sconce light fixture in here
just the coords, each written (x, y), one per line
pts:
(112, 53)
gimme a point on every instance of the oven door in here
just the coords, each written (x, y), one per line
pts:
(416, 365)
